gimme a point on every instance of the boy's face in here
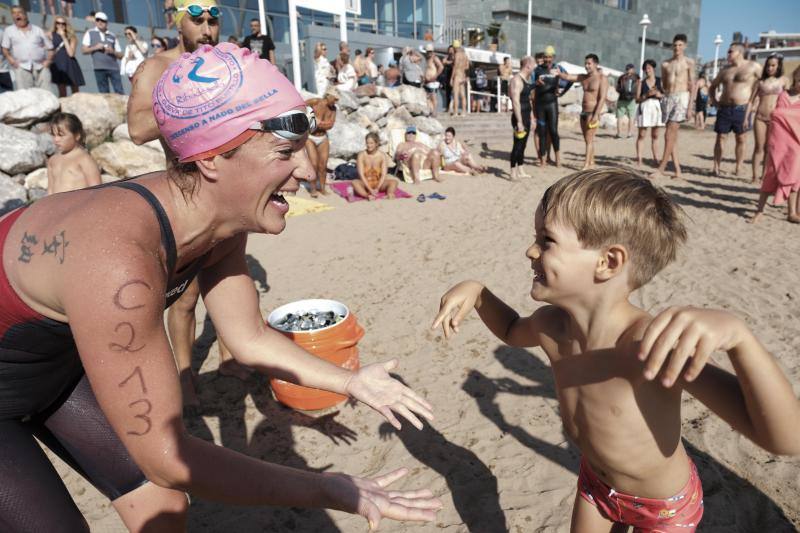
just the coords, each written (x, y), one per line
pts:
(563, 269)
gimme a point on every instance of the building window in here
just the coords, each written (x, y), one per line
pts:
(625, 5)
(568, 26)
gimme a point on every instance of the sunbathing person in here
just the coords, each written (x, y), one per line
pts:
(371, 164)
(456, 157)
(417, 156)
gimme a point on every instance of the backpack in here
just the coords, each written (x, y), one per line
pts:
(345, 171)
(627, 88)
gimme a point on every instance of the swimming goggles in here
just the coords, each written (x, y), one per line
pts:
(196, 10)
(290, 125)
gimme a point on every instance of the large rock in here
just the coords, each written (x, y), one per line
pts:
(23, 151)
(12, 195)
(608, 121)
(27, 106)
(37, 193)
(347, 138)
(412, 95)
(400, 118)
(384, 104)
(572, 109)
(348, 102)
(431, 126)
(37, 179)
(573, 96)
(334, 162)
(612, 96)
(369, 90)
(373, 113)
(121, 133)
(392, 94)
(100, 113)
(124, 159)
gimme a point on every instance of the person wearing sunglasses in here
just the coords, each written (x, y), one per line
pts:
(65, 70)
(157, 45)
(89, 368)
(104, 48)
(259, 43)
(198, 24)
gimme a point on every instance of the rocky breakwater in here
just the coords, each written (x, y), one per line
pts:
(380, 110)
(27, 143)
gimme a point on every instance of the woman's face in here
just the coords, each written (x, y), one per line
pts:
(448, 137)
(371, 145)
(772, 66)
(130, 36)
(648, 70)
(259, 173)
(156, 46)
(64, 139)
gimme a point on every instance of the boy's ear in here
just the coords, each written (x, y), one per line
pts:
(611, 262)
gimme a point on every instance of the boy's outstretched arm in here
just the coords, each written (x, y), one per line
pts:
(758, 402)
(501, 319)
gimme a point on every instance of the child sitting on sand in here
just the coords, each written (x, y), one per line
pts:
(619, 372)
(371, 164)
(72, 167)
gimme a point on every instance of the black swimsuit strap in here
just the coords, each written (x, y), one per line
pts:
(167, 237)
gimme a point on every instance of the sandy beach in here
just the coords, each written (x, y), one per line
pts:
(496, 453)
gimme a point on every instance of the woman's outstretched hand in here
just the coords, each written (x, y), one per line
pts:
(371, 499)
(373, 385)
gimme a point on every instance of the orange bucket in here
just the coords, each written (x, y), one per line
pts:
(336, 344)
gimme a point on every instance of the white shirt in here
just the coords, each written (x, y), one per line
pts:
(133, 57)
(347, 78)
(29, 46)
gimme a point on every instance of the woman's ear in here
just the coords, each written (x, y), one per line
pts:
(611, 262)
(208, 168)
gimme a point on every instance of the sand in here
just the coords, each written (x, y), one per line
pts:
(496, 453)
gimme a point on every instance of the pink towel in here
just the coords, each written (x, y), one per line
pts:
(782, 174)
(340, 188)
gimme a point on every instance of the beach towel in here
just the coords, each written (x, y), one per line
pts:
(340, 188)
(302, 206)
(782, 173)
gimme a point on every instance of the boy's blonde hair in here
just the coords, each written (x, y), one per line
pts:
(617, 206)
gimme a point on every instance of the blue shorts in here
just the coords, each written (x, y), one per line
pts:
(731, 117)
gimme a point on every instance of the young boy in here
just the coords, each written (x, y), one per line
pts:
(72, 167)
(595, 89)
(619, 372)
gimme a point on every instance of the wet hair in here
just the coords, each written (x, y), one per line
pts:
(594, 58)
(132, 28)
(374, 136)
(680, 37)
(450, 129)
(650, 62)
(617, 206)
(778, 72)
(72, 123)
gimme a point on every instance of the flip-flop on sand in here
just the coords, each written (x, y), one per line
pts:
(421, 198)
(437, 196)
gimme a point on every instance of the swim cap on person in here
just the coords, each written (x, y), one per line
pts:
(550, 51)
(179, 5)
(456, 43)
(206, 101)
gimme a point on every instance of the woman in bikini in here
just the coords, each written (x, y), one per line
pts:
(456, 157)
(772, 84)
(372, 172)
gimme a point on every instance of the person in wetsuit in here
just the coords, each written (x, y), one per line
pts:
(548, 87)
(520, 90)
(85, 362)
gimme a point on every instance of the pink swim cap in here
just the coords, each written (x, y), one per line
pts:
(205, 101)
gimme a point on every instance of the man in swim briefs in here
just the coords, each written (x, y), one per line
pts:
(738, 79)
(595, 88)
(677, 78)
(433, 68)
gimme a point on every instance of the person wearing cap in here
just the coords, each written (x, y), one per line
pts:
(417, 156)
(547, 89)
(28, 51)
(104, 48)
(85, 278)
(433, 69)
(626, 103)
(318, 145)
(198, 23)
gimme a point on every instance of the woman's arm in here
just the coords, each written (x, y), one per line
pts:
(69, 46)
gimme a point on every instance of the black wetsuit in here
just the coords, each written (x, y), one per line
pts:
(45, 393)
(547, 107)
(518, 148)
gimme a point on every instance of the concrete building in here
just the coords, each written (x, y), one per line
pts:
(609, 28)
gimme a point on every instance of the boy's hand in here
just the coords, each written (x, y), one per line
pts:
(683, 332)
(455, 305)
